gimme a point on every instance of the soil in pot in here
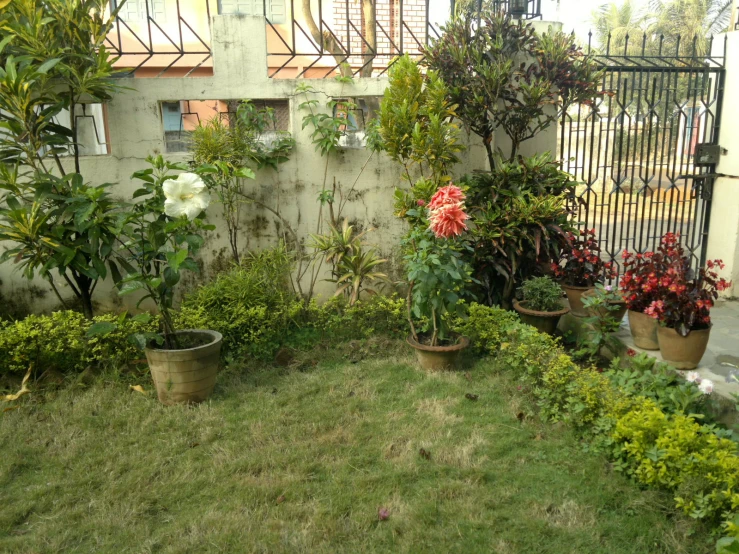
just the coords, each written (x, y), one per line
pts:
(186, 375)
(545, 322)
(683, 352)
(643, 330)
(438, 358)
(574, 296)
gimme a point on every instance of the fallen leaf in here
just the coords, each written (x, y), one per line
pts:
(425, 454)
(383, 514)
(521, 416)
(470, 396)
(538, 437)
(280, 499)
(24, 388)
(11, 408)
(194, 444)
(467, 376)
(138, 388)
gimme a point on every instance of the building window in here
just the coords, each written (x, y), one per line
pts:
(92, 129)
(275, 8)
(135, 10)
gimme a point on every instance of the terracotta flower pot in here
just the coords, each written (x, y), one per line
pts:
(438, 358)
(617, 314)
(683, 352)
(187, 375)
(643, 330)
(546, 322)
(574, 296)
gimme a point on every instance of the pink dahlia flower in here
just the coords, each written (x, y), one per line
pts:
(448, 220)
(450, 194)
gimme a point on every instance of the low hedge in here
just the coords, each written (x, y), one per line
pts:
(672, 452)
(59, 342)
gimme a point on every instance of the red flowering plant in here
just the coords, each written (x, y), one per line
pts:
(681, 298)
(438, 275)
(580, 264)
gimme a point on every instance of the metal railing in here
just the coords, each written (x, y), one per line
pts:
(633, 151)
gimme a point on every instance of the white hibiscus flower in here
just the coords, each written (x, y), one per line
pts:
(187, 195)
(706, 386)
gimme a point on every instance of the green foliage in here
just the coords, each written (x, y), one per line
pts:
(418, 131)
(61, 342)
(542, 294)
(440, 280)
(601, 326)
(639, 415)
(519, 218)
(500, 73)
(336, 320)
(227, 152)
(158, 248)
(251, 305)
(353, 267)
(52, 57)
(641, 375)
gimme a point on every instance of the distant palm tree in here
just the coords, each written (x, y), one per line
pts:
(689, 19)
(614, 23)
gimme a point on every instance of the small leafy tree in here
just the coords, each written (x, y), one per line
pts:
(52, 57)
(502, 74)
(230, 152)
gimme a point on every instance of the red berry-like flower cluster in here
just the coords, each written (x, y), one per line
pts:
(580, 264)
(664, 286)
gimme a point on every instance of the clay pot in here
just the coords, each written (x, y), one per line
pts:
(683, 352)
(574, 296)
(545, 322)
(438, 358)
(187, 375)
(643, 330)
(618, 315)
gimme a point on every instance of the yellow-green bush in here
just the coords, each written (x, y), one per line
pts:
(677, 454)
(671, 452)
(58, 342)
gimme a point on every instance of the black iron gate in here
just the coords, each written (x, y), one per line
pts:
(634, 152)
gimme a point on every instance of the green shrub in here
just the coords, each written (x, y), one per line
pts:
(376, 315)
(625, 416)
(58, 342)
(252, 305)
(542, 294)
(677, 454)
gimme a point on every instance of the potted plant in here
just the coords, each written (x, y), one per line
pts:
(541, 306)
(684, 305)
(640, 287)
(610, 302)
(580, 267)
(438, 278)
(161, 238)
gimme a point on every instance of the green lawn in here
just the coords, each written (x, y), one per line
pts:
(301, 461)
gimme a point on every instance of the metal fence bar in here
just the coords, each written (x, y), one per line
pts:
(633, 153)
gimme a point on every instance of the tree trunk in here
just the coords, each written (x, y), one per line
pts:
(369, 12)
(327, 41)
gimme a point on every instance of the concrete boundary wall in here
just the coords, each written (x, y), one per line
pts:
(240, 72)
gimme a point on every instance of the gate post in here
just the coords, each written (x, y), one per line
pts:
(723, 233)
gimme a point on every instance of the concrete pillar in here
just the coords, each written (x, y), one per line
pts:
(723, 233)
